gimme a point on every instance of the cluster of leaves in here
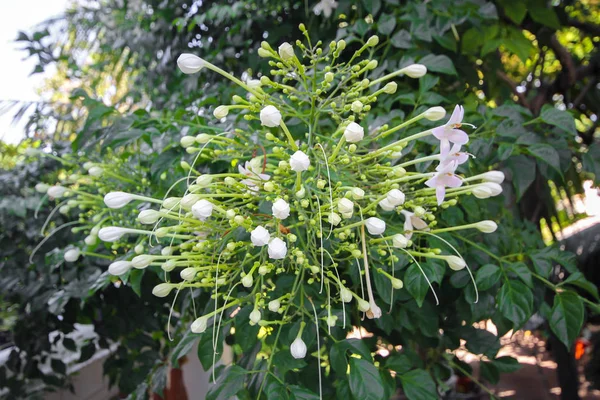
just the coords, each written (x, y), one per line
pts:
(493, 53)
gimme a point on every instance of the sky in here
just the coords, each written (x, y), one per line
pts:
(15, 82)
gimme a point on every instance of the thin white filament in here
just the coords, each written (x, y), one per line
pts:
(37, 209)
(51, 215)
(171, 312)
(437, 301)
(48, 237)
(321, 237)
(318, 349)
(330, 191)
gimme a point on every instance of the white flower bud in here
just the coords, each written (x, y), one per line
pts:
(299, 161)
(274, 305)
(334, 219)
(199, 325)
(255, 317)
(419, 211)
(375, 226)
(119, 267)
(166, 251)
(415, 70)
(298, 348)
(56, 191)
(345, 295)
(347, 215)
(363, 305)
(399, 241)
(204, 180)
(493, 176)
(148, 216)
(187, 141)
(189, 200)
(64, 209)
(354, 133)
(373, 40)
(111, 233)
(487, 226)
(455, 263)
(162, 289)
(482, 192)
(253, 83)
(397, 283)
(280, 209)
(263, 270)
(141, 261)
(277, 249)
(171, 202)
(357, 106)
(395, 197)
(494, 188)
(386, 205)
(270, 116)
(95, 171)
(221, 112)
(188, 274)
(90, 240)
(331, 320)
(203, 138)
(247, 281)
(260, 236)
(390, 88)
(357, 193)
(117, 199)
(168, 265)
(286, 51)
(435, 113)
(139, 248)
(190, 63)
(42, 188)
(301, 193)
(72, 255)
(345, 206)
(202, 209)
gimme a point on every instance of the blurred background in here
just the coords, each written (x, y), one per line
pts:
(92, 78)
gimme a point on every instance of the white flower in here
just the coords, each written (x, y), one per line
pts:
(187, 141)
(260, 236)
(286, 51)
(331, 320)
(345, 295)
(162, 289)
(334, 219)
(111, 233)
(255, 317)
(487, 226)
(42, 188)
(493, 176)
(190, 63)
(455, 263)
(298, 348)
(386, 205)
(95, 171)
(221, 112)
(354, 133)
(277, 249)
(270, 116)
(117, 199)
(254, 174)
(450, 132)
(119, 267)
(435, 113)
(280, 209)
(199, 325)
(356, 106)
(326, 7)
(411, 223)
(72, 255)
(188, 274)
(357, 193)
(202, 209)
(415, 70)
(148, 216)
(345, 206)
(454, 158)
(56, 191)
(299, 161)
(374, 311)
(274, 305)
(141, 261)
(247, 281)
(395, 197)
(399, 241)
(375, 226)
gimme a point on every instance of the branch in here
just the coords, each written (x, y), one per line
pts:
(513, 86)
(565, 58)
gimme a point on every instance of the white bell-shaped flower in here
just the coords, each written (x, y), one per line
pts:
(255, 317)
(299, 161)
(354, 133)
(221, 112)
(274, 305)
(286, 51)
(493, 176)
(260, 236)
(399, 241)
(202, 209)
(281, 209)
(455, 263)
(277, 249)
(298, 348)
(190, 63)
(270, 116)
(247, 281)
(375, 226)
(345, 206)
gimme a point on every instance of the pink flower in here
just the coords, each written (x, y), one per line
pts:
(411, 223)
(454, 156)
(449, 133)
(444, 178)
(254, 175)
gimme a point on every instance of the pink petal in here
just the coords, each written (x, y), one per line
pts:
(455, 148)
(433, 182)
(439, 132)
(452, 181)
(444, 147)
(462, 158)
(242, 170)
(264, 177)
(457, 115)
(440, 192)
(457, 136)
(418, 223)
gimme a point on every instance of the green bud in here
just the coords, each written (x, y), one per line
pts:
(373, 41)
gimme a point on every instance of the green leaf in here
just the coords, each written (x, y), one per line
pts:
(559, 118)
(577, 279)
(544, 14)
(515, 10)
(159, 380)
(372, 6)
(364, 379)
(507, 364)
(523, 272)
(515, 302)
(442, 64)
(401, 39)
(481, 341)
(418, 385)
(183, 347)
(275, 390)
(487, 276)
(489, 372)
(230, 381)
(517, 43)
(58, 366)
(135, 280)
(301, 393)
(547, 154)
(386, 24)
(567, 317)
(284, 362)
(206, 352)
(523, 169)
(416, 284)
(399, 363)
